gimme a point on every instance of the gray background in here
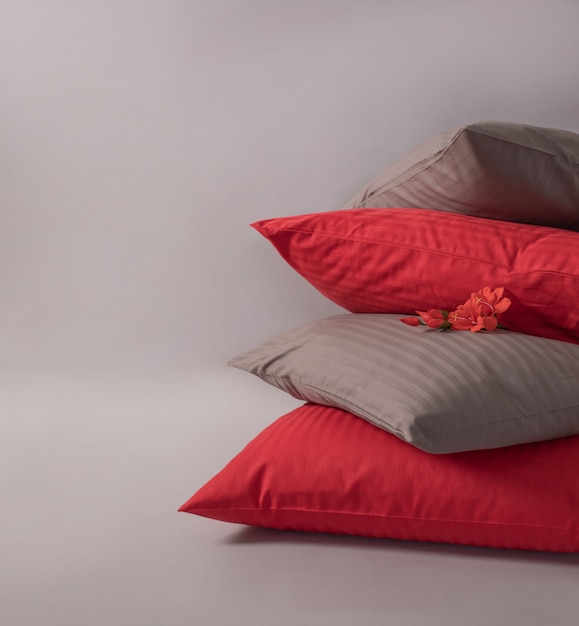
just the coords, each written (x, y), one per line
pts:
(139, 138)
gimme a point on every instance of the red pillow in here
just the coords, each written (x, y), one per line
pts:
(403, 260)
(322, 469)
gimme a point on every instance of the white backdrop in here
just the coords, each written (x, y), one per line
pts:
(139, 138)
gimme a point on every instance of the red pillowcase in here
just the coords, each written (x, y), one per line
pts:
(403, 260)
(322, 469)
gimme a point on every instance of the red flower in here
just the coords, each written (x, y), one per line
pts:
(479, 312)
(491, 301)
(467, 317)
(434, 318)
(411, 321)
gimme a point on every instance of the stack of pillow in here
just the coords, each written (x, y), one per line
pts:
(409, 432)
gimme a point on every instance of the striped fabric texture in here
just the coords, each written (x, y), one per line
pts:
(440, 391)
(403, 260)
(320, 469)
(498, 170)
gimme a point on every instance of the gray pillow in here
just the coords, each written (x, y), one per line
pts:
(440, 391)
(499, 170)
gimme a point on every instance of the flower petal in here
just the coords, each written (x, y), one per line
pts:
(502, 305)
(489, 322)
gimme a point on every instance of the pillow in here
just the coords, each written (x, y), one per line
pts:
(403, 260)
(440, 391)
(321, 469)
(497, 170)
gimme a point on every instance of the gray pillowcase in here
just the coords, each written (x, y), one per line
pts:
(498, 170)
(440, 391)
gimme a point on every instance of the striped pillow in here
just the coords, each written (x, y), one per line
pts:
(320, 469)
(401, 260)
(499, 170)
(440, 391)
